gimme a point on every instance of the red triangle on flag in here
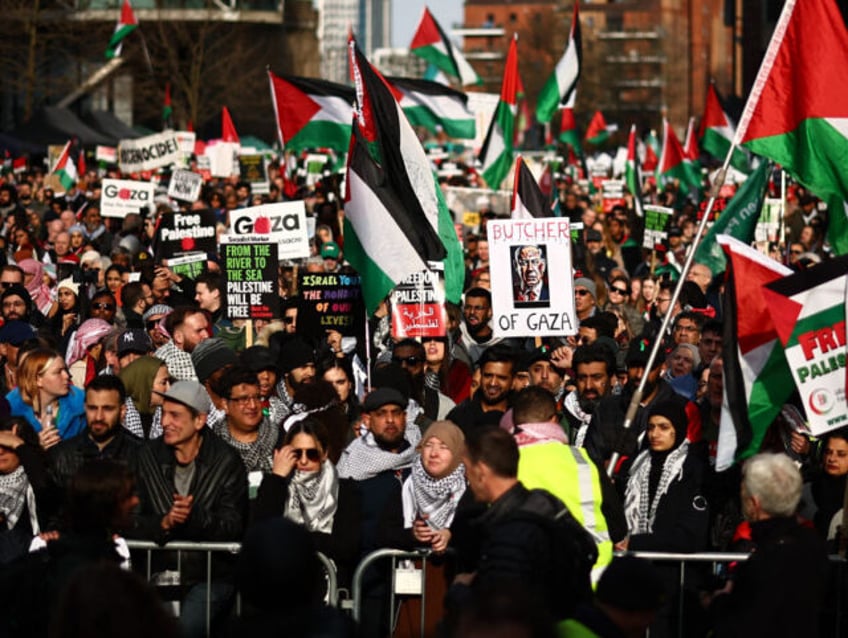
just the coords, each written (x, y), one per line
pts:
(427, 32)
(511, 82)
(298, 107)
(127, 15)
(713, 112)
(228, 130)
(651, 159)
(785, 313)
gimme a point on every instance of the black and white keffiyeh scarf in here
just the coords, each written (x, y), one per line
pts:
(15, 492)
(364, 458)
(258, 455)
(437, 498)
(639, 510)
(314, 498)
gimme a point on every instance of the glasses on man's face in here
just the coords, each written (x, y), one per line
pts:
(414, 360)
(7, 284)
(151, 325)
(664, 299)
(619, 291)
(246, 400)
(102, 306)
(581, 292)
(288, 320)
(313, 454)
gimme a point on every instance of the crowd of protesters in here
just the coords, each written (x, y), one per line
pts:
(133, 408)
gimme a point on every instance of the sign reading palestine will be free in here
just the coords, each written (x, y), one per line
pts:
(251, 271)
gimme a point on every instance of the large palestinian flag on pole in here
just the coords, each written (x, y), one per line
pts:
(674, 164)
(127, 23)
(528, 200)
(809, 316)
(311, 113)
(568, 133)
(496, 153)
(65, 169)
(395, 217)
(717, 132)
(561, 88)
(432, 43)
(633, 173)
(797, 114)
(436, 107)
(757, 380)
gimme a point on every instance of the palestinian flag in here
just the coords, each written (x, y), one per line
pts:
(167, 108)
(717, 132)
(228, 129)
(797, 114)
(126, 25)
(757, 380)
(311, 113)
(652, 149)
(496, 154)
(674, 164)
(431, 43)
(739, 219)
(568, 133)
(65, 169)
(598, 131)
(837, 224)
(395, 217)
(561, 88)
(528, 201)
(809, 315)
(690, 143)
(633, 172)
(434, 106)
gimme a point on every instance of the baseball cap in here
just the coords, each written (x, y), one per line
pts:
(330, 250)
(190, 394)
(593, 235)
(383, 396)
(16, 332)
(588, 284)
(135, 340)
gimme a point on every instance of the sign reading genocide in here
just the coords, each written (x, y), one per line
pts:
(657, 220)
(330, 301)
(532, 284)
(251, 272)
(147, 153)
(284, 223)
(122, 196)
(185, 185)
(182, 233)
(418, 306)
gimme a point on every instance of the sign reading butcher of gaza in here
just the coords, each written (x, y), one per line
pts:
(147, 153)
(532, 282)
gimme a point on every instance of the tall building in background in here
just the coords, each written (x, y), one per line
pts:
(370, 21)
(375, 24)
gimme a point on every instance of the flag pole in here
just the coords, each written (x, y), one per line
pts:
(636, 400)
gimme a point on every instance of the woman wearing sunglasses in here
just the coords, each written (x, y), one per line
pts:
(305, 488)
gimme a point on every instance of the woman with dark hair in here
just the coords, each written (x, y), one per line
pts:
(338, 372)
(444, 372)
(305, 488)
(114, 278)
(66, 314)
(26, 499)
(828, 486)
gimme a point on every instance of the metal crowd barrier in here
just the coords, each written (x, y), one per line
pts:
(225, 548)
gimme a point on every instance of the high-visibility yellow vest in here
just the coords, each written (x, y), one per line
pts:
(569, 474)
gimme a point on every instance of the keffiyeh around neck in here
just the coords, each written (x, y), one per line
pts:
(639, 509)
(314, 498)
(364, 458)
(15, 492)
(434, 498)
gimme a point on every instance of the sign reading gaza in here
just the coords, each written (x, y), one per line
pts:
(147, 153)
(122, 196)
(532, 283)
(251, 271)
(284, 223)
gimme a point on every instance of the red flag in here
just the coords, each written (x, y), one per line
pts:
(228, 130)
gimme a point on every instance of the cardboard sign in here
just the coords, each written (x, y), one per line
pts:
(613, 194)
(108, 154)
(223, 158)
(251, 273)
(657, 221)
(122, 196)
(188, 266)
(148, 153)
(331, 301)
(185, 185)
(283, 223)
(418, 306)
(532, 285)
(252, 169)
(186, 141)
(182, 233)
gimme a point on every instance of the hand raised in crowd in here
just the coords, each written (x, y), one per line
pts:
(334, 340)
(561, 357)
(163, 272)
(179, 512)
(48, 437)
(10, 440)
(285, 460)
(68, 320)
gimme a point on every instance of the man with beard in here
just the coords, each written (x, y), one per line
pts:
(297, 365)
(476, 329)
(606, 433)
(188, 327)
(16, 303)
(409, 355)
(492, 399)
(543, 373)
(104, 436)
(594, 367)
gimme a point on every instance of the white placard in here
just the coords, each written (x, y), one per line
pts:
(532, 285)
(185, 185)
(223, 158)
(147, 153)
(284, 223)
(108, 154)
(122, 196)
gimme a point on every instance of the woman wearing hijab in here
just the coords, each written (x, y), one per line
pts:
(84, 351)
(144, 379)
(34, 283)
(66, 312)
(305, 488)
(664, 503)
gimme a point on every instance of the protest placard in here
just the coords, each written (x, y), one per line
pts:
(107, 154)
(252, 169)
(330, 301)
(190, 265)
(526, 258)
(182, 233)
(613, 194)
(251, 274)
(657, 220)
(418, 305)
(122, 196)
(185, 185)
(284, 223)
(147, 153)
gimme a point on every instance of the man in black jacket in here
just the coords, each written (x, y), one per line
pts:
(192, 487)
(104, 437)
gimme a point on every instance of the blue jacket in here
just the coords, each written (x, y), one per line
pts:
(71, 418)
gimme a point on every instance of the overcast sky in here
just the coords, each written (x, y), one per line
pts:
(407, 13)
